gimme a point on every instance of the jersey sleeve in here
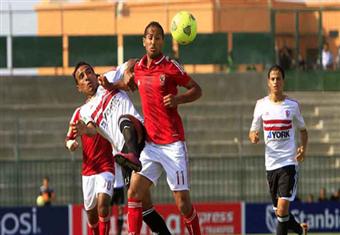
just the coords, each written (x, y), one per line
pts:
(300, 122)
(115, 75)
(85, 114)
(257, 117)
(75, 117)
(177, 72)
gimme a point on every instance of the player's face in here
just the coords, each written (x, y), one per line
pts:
(87, 80)
(275, 82)
(153, 42)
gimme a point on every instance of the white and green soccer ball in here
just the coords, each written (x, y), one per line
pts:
(183, 27)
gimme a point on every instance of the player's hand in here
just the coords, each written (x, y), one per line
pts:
(129, 81)
(102, 80)
(72, 145)
(78, 128)
(300, 154)
(254, 137)
(170, 101)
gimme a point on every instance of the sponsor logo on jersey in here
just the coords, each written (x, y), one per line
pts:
(278, 135)
(162, 79)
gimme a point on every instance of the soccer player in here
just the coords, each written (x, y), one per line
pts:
(157, 78)
(97, 177)
(131, 129)
(280, 116)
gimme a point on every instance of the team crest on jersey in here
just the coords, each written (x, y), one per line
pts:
(162, 79)
(287, 113)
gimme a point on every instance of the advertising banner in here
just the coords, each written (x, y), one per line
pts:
(34, 220)
(321, 217)
(215, 218)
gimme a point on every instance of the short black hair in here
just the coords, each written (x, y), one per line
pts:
(154, 24)
(276, 67)
(79, 64)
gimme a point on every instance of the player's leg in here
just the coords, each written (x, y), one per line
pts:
(175, 163)
(188, 211)
(104, 189)
(118, 199)
(287, 187)
(133, 133)
(92, 217)
(139, 185)
(151, 217)
(90, 203)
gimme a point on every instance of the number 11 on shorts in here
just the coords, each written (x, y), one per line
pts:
(180, 177)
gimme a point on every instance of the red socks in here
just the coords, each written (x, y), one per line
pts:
(135, 217)
(104, 225)
(192, 223)
(93, 229)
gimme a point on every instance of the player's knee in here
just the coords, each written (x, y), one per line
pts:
(133, 192)
(280, 212)
(103, 210)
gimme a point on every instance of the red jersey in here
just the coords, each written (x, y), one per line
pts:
(97, 151)
(163, 125)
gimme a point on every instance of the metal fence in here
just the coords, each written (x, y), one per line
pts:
(212, 179)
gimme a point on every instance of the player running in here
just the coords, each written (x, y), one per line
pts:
(280, 116)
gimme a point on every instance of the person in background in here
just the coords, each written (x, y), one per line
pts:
(327, 57)
(47, 192)
(322, 195)
(310, 198)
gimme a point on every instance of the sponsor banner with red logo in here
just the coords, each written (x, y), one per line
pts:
(215, 218)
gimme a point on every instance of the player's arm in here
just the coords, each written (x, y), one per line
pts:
(300, 123)
(301, 150)
(79, 128)
(126, 82)
(193, 92)
(70, 140)
(254, 135)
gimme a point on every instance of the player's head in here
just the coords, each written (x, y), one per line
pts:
(46, 180)
(153, 39)
(85, 78)
(275, 79)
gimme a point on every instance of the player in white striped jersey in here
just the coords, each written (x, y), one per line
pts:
(109, 112)
(280, 116)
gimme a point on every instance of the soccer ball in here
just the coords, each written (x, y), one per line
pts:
(40, 201)
(183, 27)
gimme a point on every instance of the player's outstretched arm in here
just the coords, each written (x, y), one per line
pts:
(193, 93)
(254, 137)
(301, 150)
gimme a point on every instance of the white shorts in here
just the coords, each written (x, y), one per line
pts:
(119, 179)
(172, 158)
(94, 184)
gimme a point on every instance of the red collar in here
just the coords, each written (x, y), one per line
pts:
(155, 61)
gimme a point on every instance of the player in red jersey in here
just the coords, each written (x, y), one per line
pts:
(95, 157)
(157, 78)
(97, 177)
